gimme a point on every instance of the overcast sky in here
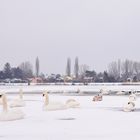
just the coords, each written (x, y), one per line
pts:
(97, 31)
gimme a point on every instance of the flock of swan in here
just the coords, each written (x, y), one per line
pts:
(12, 110)
(128, 107)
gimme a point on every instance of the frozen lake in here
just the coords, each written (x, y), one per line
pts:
(69, 88)
(103, 120)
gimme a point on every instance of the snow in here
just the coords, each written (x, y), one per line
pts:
(102, 120)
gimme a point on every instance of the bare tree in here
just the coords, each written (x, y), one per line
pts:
(114, 69)
(136, 67)
(37, 67)
(119, 69)
(124, 70)
(82, 69)
(127, 69)
(27, 69)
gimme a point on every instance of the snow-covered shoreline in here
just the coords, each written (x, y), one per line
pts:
(65, 89)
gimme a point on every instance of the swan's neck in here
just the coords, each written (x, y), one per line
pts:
(46, 99)
(20, 94)
(5, 106)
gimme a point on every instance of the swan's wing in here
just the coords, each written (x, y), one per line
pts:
(55, 106)
(73, 104)
(11, 115)
(17, 103)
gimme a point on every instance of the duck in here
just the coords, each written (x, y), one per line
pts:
(9, 114)
(52, 106)
(18, 102)
(72, 103)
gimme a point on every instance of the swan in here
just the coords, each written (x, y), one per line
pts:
(72, 103)
(98, 97)
(104, 92)
(132, 97)
(78, 90)
(51, 106)
(120, 93)
(18, 102)
(130, 106)
(9, 115)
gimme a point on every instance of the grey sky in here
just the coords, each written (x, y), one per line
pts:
(97, 31)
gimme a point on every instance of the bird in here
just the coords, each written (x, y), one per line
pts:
(132, 97)
(120, 93)
(18, 102)
(104, 92)
(98, 97)
(130, 106)
(9, 114)
(51, 106)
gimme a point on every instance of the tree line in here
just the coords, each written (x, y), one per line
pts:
(125, 70)
(118, 71)
(24, 71)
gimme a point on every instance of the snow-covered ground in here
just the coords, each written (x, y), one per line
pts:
(103, 120)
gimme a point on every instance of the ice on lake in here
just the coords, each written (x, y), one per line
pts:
(103, 120)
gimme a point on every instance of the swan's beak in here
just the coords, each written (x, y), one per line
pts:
(43, 95)
(0, 95)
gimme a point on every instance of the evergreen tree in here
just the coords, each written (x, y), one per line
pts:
(105, 77)
(76, 68)
(7, 71)
(68, 68)
(37, 67)
(2, 75)
(17, 73)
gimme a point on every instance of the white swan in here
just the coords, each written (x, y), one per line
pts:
(18, 102)
(132, 97)
(72, 103)
(78, 90)
(9, 115)
(130, 106)
(104, 92)
(120, 93)
(50, 106)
